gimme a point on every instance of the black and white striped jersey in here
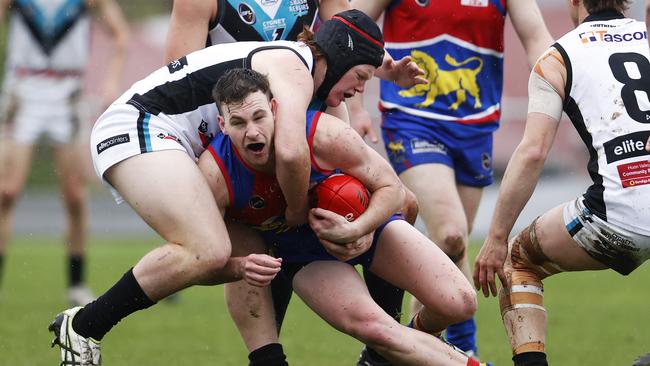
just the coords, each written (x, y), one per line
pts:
(181, 92)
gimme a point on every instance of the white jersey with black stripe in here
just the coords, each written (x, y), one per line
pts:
(608, 101)
(49, 35)
(182, 90)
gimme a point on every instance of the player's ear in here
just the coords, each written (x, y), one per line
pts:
(274, 106)
(222, 124)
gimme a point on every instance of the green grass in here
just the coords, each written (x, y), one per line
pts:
(595, 318)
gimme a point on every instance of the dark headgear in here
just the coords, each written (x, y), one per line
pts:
(349, 39)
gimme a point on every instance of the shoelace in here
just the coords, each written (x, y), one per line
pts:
(66, 348)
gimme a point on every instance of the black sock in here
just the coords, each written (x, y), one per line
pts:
(269, 355)
(75, 269)
(281, 290)
(388, 297)
(98, 317)
(530, 359)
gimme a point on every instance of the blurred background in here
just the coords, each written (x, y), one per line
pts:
(39, 212)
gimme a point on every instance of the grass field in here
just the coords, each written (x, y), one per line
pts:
(595, 318)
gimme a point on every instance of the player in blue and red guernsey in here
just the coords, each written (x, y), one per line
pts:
(438, 136)
(239, 168)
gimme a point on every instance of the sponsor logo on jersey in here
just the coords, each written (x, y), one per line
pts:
(256, 203)
(619, 240)
(298, 7)
(422, 146)
(350, 43)
(486, 161)
(269, 2)
(168, 136)
(112, 141)
(396, 149)
(477, 3)
(274, 28)
(634, 174)
(275, 224)
(177, 65)
(246, 13)
(626, 146)
(604, 36)
(204, 135)
(459, 81)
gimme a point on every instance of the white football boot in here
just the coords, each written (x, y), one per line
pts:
(75, 349)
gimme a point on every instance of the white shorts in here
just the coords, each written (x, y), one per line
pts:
(36, 106)
(124, 131)
(615, 247)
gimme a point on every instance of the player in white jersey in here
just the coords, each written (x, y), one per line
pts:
(599, 74)
(146, 144)
(47, 52)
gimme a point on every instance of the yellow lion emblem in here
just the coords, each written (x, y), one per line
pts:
(396, 147)
(443, 82)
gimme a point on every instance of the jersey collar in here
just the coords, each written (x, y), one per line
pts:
(607, 14)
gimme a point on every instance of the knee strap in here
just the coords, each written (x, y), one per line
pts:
(529, 266)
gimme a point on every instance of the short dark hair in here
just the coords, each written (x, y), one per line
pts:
(593, 6)
(236, 84)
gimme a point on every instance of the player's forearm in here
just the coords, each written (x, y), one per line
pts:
(233, 271)
(384, 202)
(328, 8)
(383, 72)
(292, 170)
(118, 60)
(517, 187)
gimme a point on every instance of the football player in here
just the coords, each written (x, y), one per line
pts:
(599, 74)
(319, 258)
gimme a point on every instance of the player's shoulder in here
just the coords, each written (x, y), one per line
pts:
(333, 135)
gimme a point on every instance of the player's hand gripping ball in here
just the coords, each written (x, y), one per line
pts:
(342, 194)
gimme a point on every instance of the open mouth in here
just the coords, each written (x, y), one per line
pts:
(255, 147)
(348, 95)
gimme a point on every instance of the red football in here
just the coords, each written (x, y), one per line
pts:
(343, 194)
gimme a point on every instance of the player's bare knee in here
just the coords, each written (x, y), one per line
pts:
(460, 306)
(75, 204)
(216, 259)
(454, 244)
(208, 259)
(9, 195)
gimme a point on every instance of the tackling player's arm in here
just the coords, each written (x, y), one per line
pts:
(292, 86)
(256, 269)
(530, 27)
(110, 15)
(188, 27)
(404, 73)
(546, 96)
(337, 145)
(327, 8)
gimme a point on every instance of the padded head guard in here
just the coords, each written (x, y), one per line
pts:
(349, 39)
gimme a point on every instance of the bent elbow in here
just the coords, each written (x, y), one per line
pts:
(292, 154)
